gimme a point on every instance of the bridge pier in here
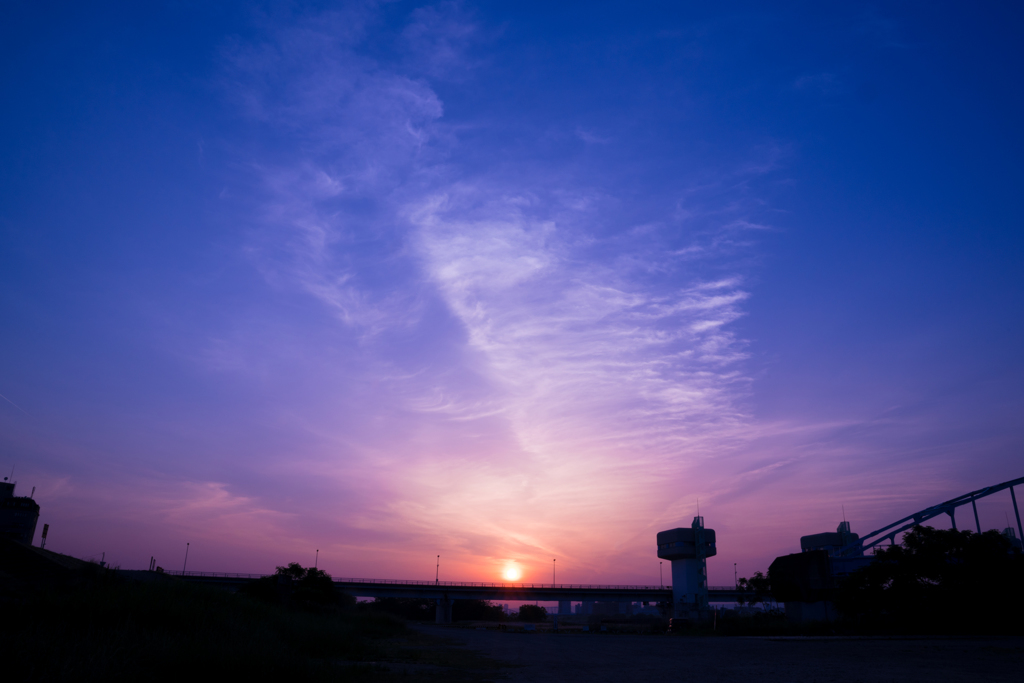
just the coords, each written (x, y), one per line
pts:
(565, 606)
(444, 609)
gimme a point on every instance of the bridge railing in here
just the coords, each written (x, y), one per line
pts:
(465, 584)
(220, 575)
(506, 584)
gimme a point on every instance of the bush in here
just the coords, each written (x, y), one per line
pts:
(476, 610)
(414, 609)
(307, 589)
(532, 613)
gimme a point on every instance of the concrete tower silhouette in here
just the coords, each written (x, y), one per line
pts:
(688, 550)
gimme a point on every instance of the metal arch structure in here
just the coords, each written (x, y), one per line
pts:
(947, 508)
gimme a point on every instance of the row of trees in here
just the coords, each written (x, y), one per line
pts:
(312, 590)
(938, 580)
(934, 581)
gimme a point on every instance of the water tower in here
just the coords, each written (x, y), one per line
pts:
(688, 549)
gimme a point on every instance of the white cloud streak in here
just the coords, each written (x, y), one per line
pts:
(608, 360)
(586, 356)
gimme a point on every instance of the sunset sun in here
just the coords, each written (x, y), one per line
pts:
(512, 574)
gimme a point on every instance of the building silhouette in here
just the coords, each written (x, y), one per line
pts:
(18, 514)
(831, 542)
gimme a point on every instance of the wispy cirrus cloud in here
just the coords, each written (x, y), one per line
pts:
(438, 40)
(576, 342)
(590, 137)
(348, 135)
(502, 286)
(586, 358)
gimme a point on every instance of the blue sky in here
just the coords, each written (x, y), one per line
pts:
(505, 281)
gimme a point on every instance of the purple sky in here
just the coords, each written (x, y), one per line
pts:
(505, 283)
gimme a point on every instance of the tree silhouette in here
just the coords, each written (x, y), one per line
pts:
(532, 613)
(299, 587)
(758, 589)
(938, 580)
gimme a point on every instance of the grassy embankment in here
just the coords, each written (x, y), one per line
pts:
(114, 630)
(89, 624)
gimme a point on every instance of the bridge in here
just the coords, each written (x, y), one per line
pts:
(891, 531)
(444, 592)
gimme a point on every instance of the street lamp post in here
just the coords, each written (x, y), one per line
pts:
(437, 570)
(553, 581)
(661, 574)
(185, 564)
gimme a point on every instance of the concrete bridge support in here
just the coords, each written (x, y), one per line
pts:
(565, 606)
(444, 609)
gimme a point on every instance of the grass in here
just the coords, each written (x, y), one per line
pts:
(107, 629)
(424, 654)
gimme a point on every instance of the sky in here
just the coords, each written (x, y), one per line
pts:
(506, 283)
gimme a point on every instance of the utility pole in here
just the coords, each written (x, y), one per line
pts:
(553, 581)
(316, 562)
(661, 575)
(437, 570)
(186, 560)
(735, 580)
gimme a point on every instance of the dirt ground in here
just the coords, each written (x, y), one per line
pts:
(595, 658)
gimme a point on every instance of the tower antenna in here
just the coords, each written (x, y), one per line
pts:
(844, 512)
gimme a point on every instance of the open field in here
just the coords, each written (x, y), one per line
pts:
(65, 619)
(546, 657)
(68, 620)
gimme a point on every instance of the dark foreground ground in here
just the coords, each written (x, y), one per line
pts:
(595, 658)
(62, 619)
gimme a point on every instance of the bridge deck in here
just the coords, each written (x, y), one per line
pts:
(454, 590)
